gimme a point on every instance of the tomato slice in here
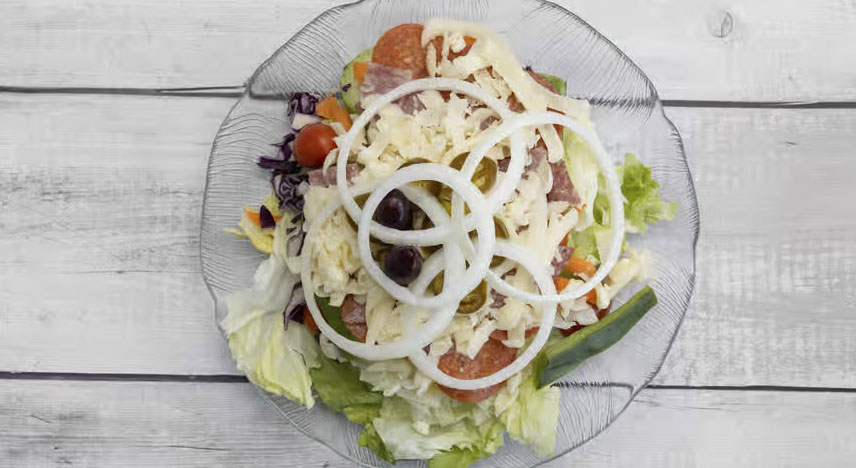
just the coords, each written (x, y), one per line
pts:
(313, 144)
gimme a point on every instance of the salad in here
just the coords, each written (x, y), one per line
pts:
(446, 237)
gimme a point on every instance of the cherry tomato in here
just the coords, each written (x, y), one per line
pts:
(313, 143)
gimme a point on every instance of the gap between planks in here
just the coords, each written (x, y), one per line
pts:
(227, 378)
(232, 92)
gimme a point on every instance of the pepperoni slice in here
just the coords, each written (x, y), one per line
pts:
(502, 335)
(437, 42)
(354, 316)
(401, 47)
(492, 357)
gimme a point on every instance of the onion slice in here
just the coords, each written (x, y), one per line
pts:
(454, 292)
(437, 234)
(616, 208)
(413, 340)
(544, 281)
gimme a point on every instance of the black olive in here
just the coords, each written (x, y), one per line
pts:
(402, 264)
(394, 211)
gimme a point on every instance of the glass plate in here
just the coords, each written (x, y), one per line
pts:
(550, 39)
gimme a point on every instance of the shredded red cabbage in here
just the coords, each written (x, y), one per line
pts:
(294, 308)
(266, 219)
(285, 186)
(302, 102)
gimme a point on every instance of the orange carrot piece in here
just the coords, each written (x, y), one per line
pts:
(577, 265)
(360, 69)
(560, 283)
(591, 297)
(255, 217)
(329, 108)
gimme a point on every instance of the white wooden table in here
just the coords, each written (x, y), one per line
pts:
(109, 355)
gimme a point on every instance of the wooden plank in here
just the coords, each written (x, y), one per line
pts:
(100, 217)
(776, 258)
(144, 424)
(746, 50)
(100, 201)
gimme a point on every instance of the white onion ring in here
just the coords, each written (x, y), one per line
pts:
(484, 227)
(406, 345)
(548, 314)
(436, 234)
(616, 208)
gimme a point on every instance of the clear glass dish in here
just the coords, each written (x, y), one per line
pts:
(545, 36)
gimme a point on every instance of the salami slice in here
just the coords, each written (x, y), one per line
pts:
(321, 178)
(561, 258)
(354, 316)
(563, 188)
(381, 79)
(492, 357)
(401, 47)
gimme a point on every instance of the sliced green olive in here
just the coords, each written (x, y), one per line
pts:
(472, 302)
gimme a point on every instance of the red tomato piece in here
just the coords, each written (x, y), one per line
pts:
(313, 143)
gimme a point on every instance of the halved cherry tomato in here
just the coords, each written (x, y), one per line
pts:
(313, 143)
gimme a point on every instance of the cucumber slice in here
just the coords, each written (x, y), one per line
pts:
(565, 355)
(349, 85)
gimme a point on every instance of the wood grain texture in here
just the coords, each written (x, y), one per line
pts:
(749, 50)
(145, 424)
(100, 202)
(100, 218)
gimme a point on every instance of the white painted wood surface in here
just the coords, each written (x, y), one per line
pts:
(99, 217)
(747, 50)
(101, 220)
(146, 424)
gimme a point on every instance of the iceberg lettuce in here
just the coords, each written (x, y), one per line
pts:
(534, 416)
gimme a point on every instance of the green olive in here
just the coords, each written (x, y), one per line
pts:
(472, 302)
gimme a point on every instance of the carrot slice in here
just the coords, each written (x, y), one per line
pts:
(579, 265)
(560, 283)
(360, 69)
(329, 108)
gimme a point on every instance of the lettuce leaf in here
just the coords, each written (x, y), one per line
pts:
(261, 351)
(395, 426)
(558, 83)
(372, 441)
(339, 386)
(584, 171)
(272, 357)
(534, 416)
(464, 457)
(643, 205)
